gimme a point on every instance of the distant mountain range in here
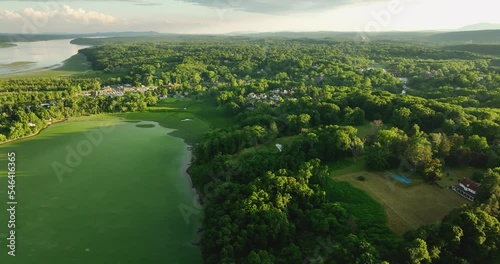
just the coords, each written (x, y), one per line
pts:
(468, 37)
(480, 26)
(52, 36)
(465, 35)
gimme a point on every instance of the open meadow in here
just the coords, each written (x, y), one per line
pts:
(406, 207)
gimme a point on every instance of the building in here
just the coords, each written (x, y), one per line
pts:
(467, 188)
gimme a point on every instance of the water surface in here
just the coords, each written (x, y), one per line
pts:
(34, 55)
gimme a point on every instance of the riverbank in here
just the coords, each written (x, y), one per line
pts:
(40, 54)
(196, 204)
(7, 45)
(33, 134)
(186, 172)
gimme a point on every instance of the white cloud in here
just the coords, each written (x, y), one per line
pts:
(9, 15)
(85, 16)
(64, 13)
(278, 6)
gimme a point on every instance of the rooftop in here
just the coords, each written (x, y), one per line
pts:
(470, 184)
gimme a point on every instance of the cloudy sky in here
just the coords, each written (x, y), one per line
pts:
(223, 16)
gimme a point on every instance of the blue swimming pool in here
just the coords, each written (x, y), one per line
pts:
(402, 179)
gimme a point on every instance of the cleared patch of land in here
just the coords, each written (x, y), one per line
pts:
(346, 166)
(453, 175)
(406, 207)
(268, 146)
(77, 63)
(170, 113)
(368, 128)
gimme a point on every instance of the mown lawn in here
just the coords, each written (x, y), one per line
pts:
(366, 216)
(190, 118)
(346, 166)
(406, 207)
(453, 175)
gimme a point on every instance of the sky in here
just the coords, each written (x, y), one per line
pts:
(226, 16)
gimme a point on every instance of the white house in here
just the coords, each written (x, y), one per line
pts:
(466, 188)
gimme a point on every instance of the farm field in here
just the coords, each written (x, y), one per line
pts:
(406, 207)
(116, 201)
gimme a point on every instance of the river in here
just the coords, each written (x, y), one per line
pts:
(35, 55)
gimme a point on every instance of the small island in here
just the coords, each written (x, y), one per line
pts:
(7, 45)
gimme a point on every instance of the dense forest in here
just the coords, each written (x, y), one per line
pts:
(432, 107)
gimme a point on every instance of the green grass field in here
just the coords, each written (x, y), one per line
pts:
(366, 129)
(406, 207)
(77, 63)
(190, 118)
(453, 175)
(346, 166)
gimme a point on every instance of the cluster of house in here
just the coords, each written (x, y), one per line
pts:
(466, 188)
(118, 90)
(261, 96)
(180, 95)
(272, 96)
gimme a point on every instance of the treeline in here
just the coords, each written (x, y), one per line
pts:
(39, 102)
(477, 48)
(49, 84)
